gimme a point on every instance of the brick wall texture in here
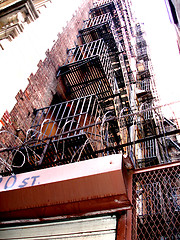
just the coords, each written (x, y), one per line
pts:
(42, 85)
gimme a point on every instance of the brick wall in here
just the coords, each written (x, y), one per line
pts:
(43, 84)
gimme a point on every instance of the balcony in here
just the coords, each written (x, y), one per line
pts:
(102, 7)
(148, 154)
(66, 130)
(101, 2)
(90, 23)
(63, 133)
(100, 27)
(144, 89)
(103, 27)
(88, 70)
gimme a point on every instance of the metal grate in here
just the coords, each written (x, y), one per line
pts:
(97, 21)
(63, 133)
(66, 116)
(148, 154)
(102, 7)
(60, 130)
(101, 27)
(101, 2)
(86, 51)
(144, 85)
(88, 71)
(148, 112)
(156, 203)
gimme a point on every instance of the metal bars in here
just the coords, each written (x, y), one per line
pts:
(64, 117)
(120, 33)
(148, 153)
(101, 2)
(64, 133)
(85, 51)
(97, 21)
(144, 85)
(102, 7)
(103, 27)
(88, 71)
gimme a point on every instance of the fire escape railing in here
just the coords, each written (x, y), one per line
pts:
(102, 7)
(101, 19)
(103, 27)
(88, 70)
(64, 133)
(144, 85)
(101, 2)
(146, 126)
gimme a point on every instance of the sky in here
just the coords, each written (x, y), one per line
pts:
(22, 55)
(161, 38)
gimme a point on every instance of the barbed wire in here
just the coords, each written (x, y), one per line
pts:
(104, 125)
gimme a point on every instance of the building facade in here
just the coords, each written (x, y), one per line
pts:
(15, 15)
(86, 152)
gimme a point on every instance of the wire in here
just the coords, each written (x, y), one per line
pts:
(11, 156)
(60, 135)
(103, 128)
(7, 165)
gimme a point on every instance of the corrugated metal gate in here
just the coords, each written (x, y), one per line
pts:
(96, 228)
(156, 203)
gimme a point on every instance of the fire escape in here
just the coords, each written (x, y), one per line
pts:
(98, 116)
(149, 121)
(96, 79)
(105, 110)
(155, 192)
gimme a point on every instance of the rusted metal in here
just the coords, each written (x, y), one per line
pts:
(156, 203)
(158, 167)
(73, 189)
(121, 227)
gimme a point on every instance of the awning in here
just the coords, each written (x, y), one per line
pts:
(94, 185)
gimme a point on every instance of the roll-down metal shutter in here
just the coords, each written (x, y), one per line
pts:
(97, 228)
